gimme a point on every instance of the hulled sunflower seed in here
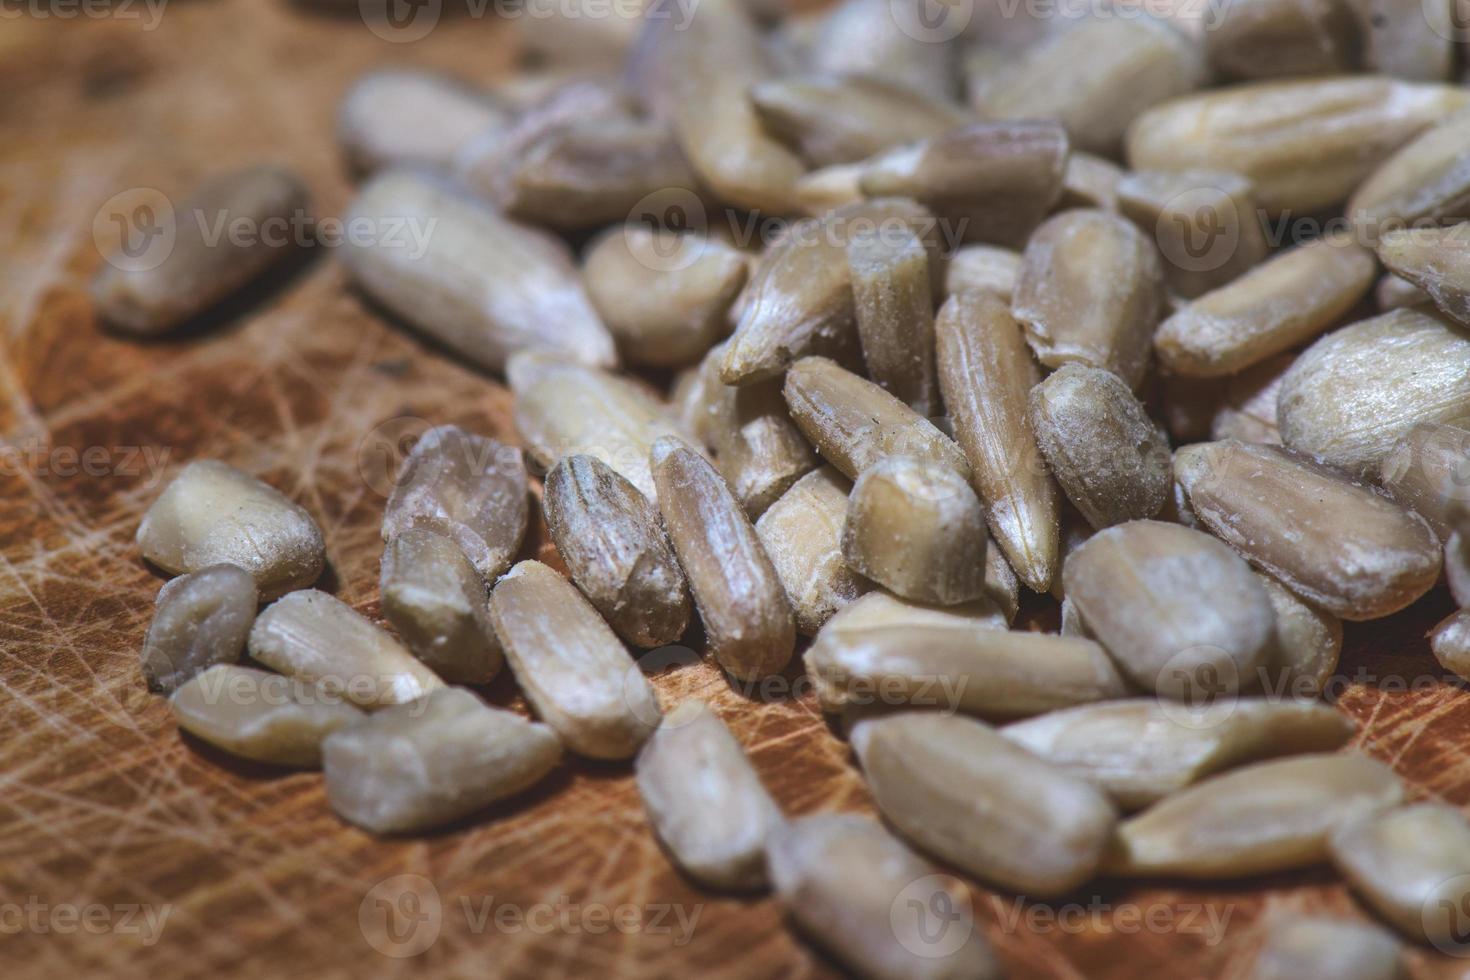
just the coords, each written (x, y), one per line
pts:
(399, 117)
(854, 423)
(983, 267)
(574, 670)
(199, 620)
(832, 119)
(1282, 38)
(1457, 559)
(704, 799)
(1311, 946)
(1180, 612)
(1437, 260)
(1089, 291)
(474, 281)
(985, 373)
(211, 514)
(1287, 300)
(829, 188)
(423, 765)
(1090, 182)
(320, 639)
(1140, 751)
(1304, 144)
(1248, 411)
(259, 715)
(884, 653)
(1408, 38)
(1428, 470)
(1001, 584)
(1108, 455)
(865, 37)
(665, 297)
(615, 549)
(916, 528)
(893, 301)
(802, 535)
(844, 881)
(959, 789)
(1333, 542)
(1426, 181)
(1394, 292)
(469, 488)
(1267, 817)
(1450, 643)
(201, 269)
(1353, 394)
(1413, 866)
(1304, 648)
(435, 599)
(746, 614)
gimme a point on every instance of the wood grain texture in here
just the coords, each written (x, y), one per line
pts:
(103, 805)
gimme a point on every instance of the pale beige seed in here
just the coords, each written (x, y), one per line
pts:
(581, 33)
(864, 37)
(575, 671)
(1411, 39)
(1001, 584)
(320, 639)
(1090, 182)
(1268, 817)
(1281, 303)
(1353, 394)
(1256, 39)
(829, 188)
(854, 423)
(472, 489)
(1204, 221)
(229, 232)
(435, 599)
(212, 514)
(959, 789)
(466, 276)
(989, 182)
(894, 306)
(1108, 455)
(983, 267)
(1090, 291)
(704, 799)
(985, 373)
(1299, 946)
(613, 543)
(747, 617)
(1393, 292)
(1428, 471)
(419, 766)
(1437, 260)
(1450, 643)
(1413, 867)
(1248, 409)
(884, 653)
(1304, 648)
(1457, 560)
(524, 91)
(1304, 144)
(846, 882)
(1335, 543)
(833, 119)
(396, 117)
(802, 535)
(1427, 181)
(199, 620)
(259, 715)
(1141, 750)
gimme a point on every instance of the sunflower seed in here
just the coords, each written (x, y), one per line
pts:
(574, 670)
(1353, 394)
(983, 267)
(1248, 410)
(802, 535)
(1333, 542)
(1001, 584)
(1141, 750)
(423, 765)
(1450, 643)
(213, 514)
(865, 37)
(200, 619)
(1437, 260)
(1457, 560)
(958, 788)
(1408, 38)
(398, 117)
(704, 799)
(747, 617)
(1427, 181)
(584, 33)
(894, 306)
(260, 716)
(1393, 292)
(435, 599)
(1308, 946)
(829, 188)
(1427, 471)
(1259, 39)
(320, 639)
(1285, 301)
(1304, 648)
(615, 549)
(469, 488)
(1184, 211)
(1090, 182)
(1268, 817)
(845, 881)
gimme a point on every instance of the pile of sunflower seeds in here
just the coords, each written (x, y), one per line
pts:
(949, 313)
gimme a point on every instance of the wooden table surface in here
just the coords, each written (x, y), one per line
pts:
(128, 851)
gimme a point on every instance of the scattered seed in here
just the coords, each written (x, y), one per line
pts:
(1426, 471)
(1090, 182)
(863, 37)
(1282, 39)
(200, 620)
(1457, 562)
(435, 599)
(1310, 946)
(983, 267)
(1304, 648)
(407, 117)
(1248, 410)
(1450, 643)
(829, 188)
(1181, 210)
(1394, 292)
(1427, 181)
(894, 306)
(802, 535)
(1437, 260)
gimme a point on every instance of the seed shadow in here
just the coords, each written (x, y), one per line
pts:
(249, 769)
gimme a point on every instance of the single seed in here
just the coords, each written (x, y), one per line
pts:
(1408, 39)
(894, 306)
(1090, 182)
(829, 188)
(704, 799)
(198, 270)
(747, 617)
(1183, 210)
(1248, 409)
(983, 267)
(423, 765)
(213, 514)
(802, 535)
(199, 620)
(574, 670)
(1001, 584)
(1427, 181)
(1304, 648)
(613, 543)
(864, 37)
(1450, 642)
(469, 488)
(318, 638)
(959, 789)
(1258, 39)
(1309, 946)
(260, 716)
(1394, 292)
(435, 599)
(399, 117)
(1437, 260)
(1427, 471)
(1457, 559)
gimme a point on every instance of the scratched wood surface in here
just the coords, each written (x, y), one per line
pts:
(173, 860)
